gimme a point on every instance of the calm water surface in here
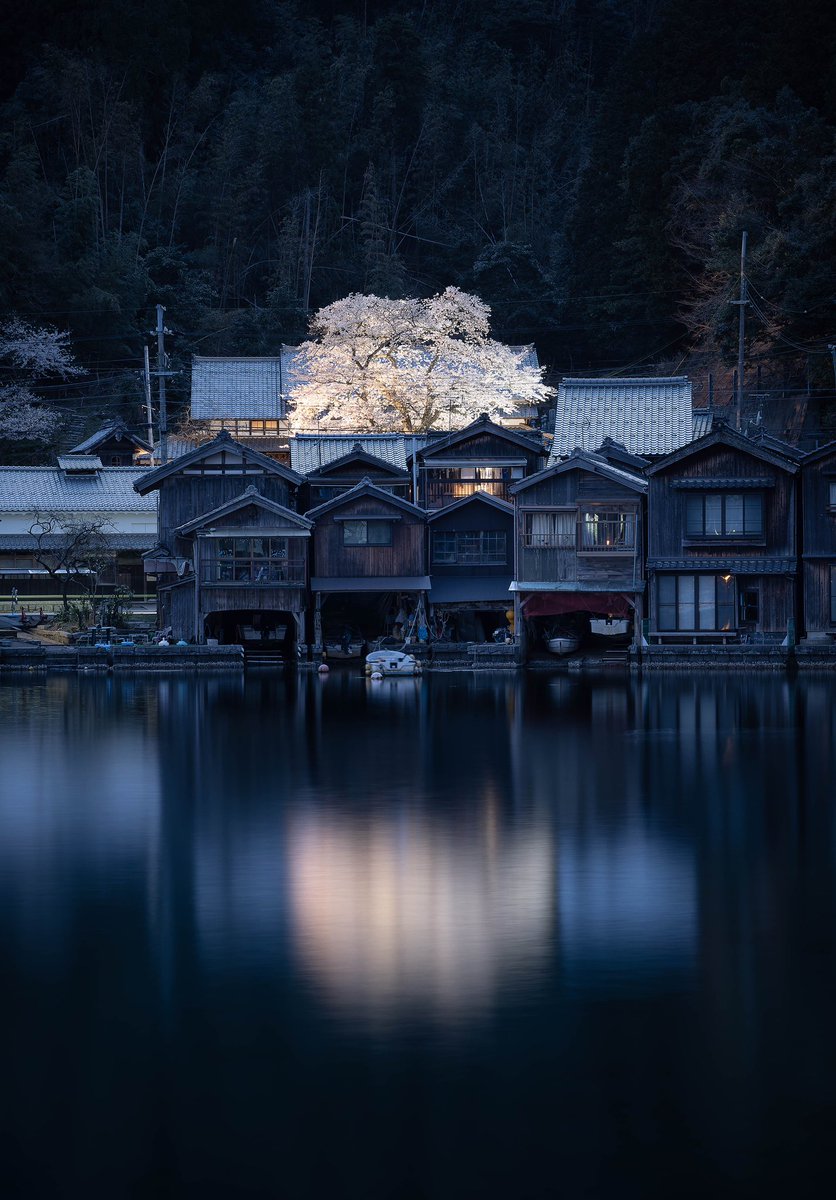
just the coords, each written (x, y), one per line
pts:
(451, 938)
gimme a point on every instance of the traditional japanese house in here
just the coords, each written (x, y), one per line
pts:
(818, 490)
(43, 510)
(722, 540)
(369, 577)
(116, 446)
(578, 548)
(232, 556)
(482, 457)
(471, 545)
(247, 397)
(649, 416)
(335, 463)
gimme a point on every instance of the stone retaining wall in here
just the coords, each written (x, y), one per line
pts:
(121, 658)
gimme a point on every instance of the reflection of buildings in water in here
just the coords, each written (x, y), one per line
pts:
(397, 914)
(79, 801)
(627, 903)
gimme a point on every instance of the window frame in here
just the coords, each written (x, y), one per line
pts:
(555, 539)
(384, 525)
(595, 519)
(699, 602)
(723, 498)
(484, 557)
(230, 562)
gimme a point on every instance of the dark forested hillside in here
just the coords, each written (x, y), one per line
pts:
(586, 166)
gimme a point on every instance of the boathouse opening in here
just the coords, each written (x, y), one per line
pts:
(272, 629)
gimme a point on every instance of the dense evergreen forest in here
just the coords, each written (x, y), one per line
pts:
(586, 166)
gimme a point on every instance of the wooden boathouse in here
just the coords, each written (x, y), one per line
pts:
(232, 554)
(579, 539)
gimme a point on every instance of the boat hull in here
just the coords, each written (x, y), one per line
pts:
(563, 645)
(392, 664)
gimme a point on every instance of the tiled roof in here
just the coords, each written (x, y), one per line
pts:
(650, 416)
(701, 421)
(735, 564)
(79, 462)
(115, 540)
(114, 429)
(246, 388)
(309, 452)
(24, 489)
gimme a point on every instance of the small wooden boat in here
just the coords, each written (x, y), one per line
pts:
(563, 644)
(391, 663)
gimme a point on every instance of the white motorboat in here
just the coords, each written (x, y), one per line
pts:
(565, 644)
(609, 627)
(391, 663)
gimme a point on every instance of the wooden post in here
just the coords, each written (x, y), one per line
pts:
(196, 565)
(318, 623)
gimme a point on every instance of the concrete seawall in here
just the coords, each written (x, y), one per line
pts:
(121, 658)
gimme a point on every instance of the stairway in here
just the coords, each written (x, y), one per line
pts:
(264, 654)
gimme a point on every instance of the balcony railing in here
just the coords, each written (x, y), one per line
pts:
(444, 491)
(254, 573)
(608, 537)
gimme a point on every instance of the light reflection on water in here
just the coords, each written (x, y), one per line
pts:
(591, 915)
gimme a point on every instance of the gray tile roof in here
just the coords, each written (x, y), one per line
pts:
(309, 452)
(648, 416)
(115, 540)
(737, 564)
(245, 388)
(115, 429)
(702, 420)
(79, 462)
(24, 489)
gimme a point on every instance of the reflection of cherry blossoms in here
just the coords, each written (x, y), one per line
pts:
(402, 916)
(378, 364)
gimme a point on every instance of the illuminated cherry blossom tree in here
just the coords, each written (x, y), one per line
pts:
(374, 364)
(30, 353)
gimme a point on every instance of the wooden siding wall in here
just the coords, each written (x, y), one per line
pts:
(484, 446)
(406, 555)
(817, 595)
(819, 524)
(666, 506)
(218, 598)
(184, 497)
(474, 518)
(547, 564)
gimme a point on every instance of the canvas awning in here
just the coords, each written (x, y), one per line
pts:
(555, 604)
(370, 583)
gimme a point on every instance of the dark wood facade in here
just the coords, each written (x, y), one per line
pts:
(818, 490)
(471, 563)
(232, 559)
(346, 472)
(367, 542)
(483, 457)
(579, 542)
(722, 541)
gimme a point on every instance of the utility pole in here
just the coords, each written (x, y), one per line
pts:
(161, 374)
(832, 348)
(148, 403)
(741, 333)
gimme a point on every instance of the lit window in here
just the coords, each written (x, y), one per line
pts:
(613, 531)
(546, 530)
(695, 602)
